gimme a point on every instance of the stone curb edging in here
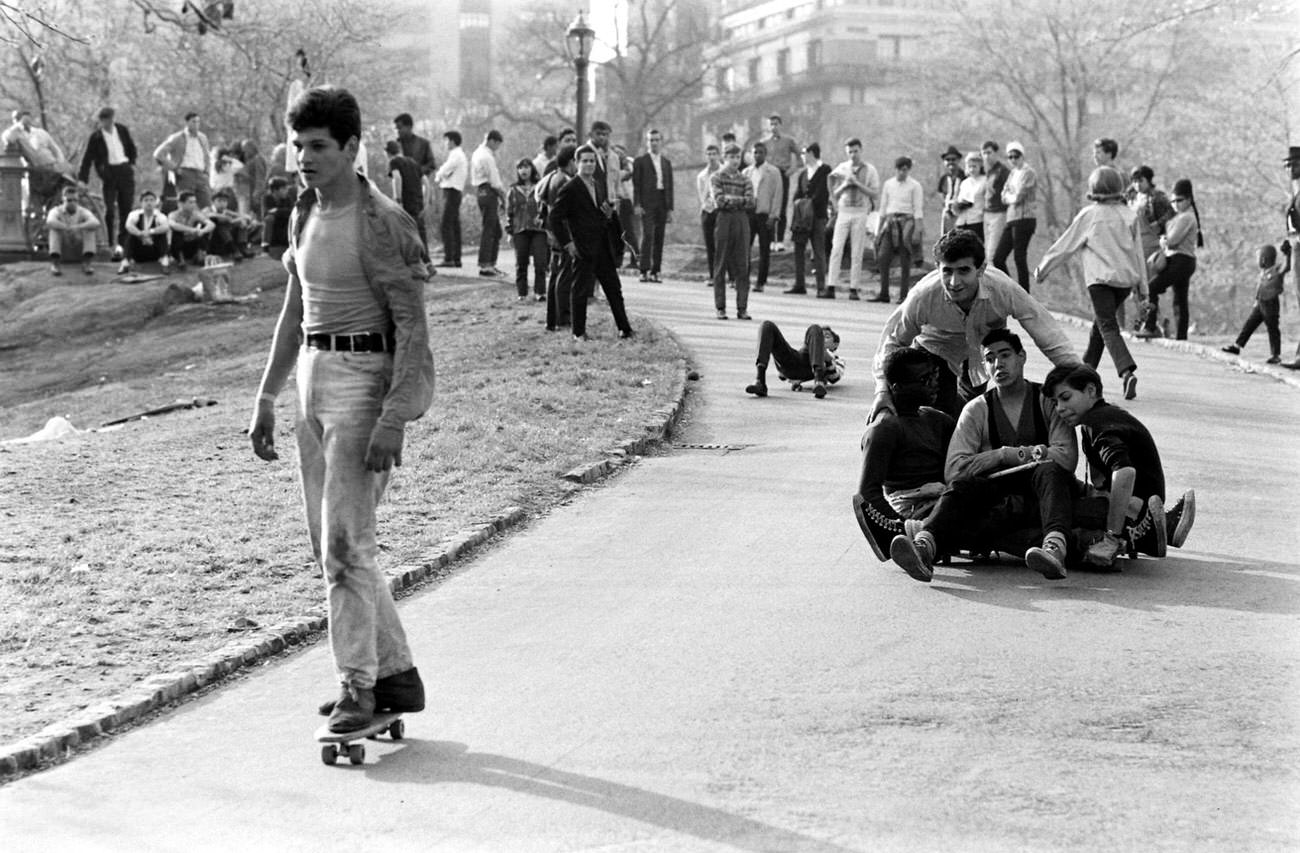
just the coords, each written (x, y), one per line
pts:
(1288, 377)
(56, 740)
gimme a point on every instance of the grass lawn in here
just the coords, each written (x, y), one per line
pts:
(126, 552)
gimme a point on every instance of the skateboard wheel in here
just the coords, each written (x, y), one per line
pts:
(329, 754)
(397, 730)
(357, 753)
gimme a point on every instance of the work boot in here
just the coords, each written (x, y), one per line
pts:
(402, 693)
(829, 293)
(819, 389)
(353, 710)
(758, 388)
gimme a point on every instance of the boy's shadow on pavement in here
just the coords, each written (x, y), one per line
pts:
(441, 762)
(1206, 580)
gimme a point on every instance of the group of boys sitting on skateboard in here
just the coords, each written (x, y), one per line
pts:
(1001, 477)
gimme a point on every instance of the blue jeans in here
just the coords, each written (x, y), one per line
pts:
(339, 399)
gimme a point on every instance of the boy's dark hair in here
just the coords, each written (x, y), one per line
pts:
(185, 196)
(454, 136)
(392, 148)
(835, 336)
(404, 120)
(903, 161)
(1267, 255)
(568, 131)
(147, 193)
(732, 148)
(565, 156)
(776, 118)
(728, 137)
(1142, 172)
(1110, 146)
(585, 149)
(107, 112)
(601, 125)
(277, 183)
(549, 141)
(957, 244)
(494, 135)
(759, 146)
(851, 141)
(1076, 376)
(191, 114)
(1004, 335)
(329, 107)
(991, 145)
(69, 188)
(901, 360)
(226, 195)
(814, 149)
(712, 147)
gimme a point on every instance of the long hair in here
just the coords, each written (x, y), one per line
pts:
(532, 178)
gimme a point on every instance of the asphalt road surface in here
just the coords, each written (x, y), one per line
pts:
(704, 654)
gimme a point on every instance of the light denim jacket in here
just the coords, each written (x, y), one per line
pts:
(391, 261)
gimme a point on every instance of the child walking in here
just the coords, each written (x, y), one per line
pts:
(1268, 302)
(1106, 234)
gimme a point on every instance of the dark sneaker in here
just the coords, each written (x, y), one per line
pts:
(1130, 385)
(819, 390)
(799, 290)
(1049, 560)
(743, 315)
(722, 314)
(1273, 359)
(402, 693)
(880, 297)
(1148, 535)
(354, 709)
(916, 557)
(758, 389)
(853, 295)
(1179, 519)
(826, 293)
(880, 529)
(1232, 349)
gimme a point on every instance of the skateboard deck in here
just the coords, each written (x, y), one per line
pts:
(336, 744)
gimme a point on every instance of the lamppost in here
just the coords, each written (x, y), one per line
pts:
(579, 40)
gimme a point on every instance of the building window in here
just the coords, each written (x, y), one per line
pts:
(723, 80)
(814, 53)
(783, 62)
(891, 47)
(474, 20)
(753, 71)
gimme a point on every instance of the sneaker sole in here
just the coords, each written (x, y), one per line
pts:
(1130, 387)
(866, 528)
(904, 553)
(1185, 521)
(1042, 562)
(1156, 508)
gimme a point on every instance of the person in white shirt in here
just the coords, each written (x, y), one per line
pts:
(490, 192)
(969, 206)
(855, 190)
(451, 177)
(766, 179)
(71, 227)
(708, 208)
(187, 155)
(111, 151)
(48, 168)
(901, 200)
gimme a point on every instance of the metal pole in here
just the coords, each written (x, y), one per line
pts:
(580, 68)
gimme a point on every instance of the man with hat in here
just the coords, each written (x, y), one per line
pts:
(949, 181)
(1292, 164)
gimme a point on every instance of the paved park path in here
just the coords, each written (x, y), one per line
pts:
(703, 654)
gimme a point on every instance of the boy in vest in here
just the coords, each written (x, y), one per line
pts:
(1010, 452)
(1127, 481)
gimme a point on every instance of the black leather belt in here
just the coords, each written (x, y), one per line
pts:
(360, 342)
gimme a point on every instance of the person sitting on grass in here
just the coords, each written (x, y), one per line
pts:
(903, 455)
(1127, 489)
(231, 228)
(1010, 467)
(191, 230)
(147, 235)
(72, 233)
(816, 362)
(277, 204)
(1268, 303)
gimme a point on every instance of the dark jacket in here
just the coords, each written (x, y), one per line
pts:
(576, 219)
(97, 152)
(643, 180)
